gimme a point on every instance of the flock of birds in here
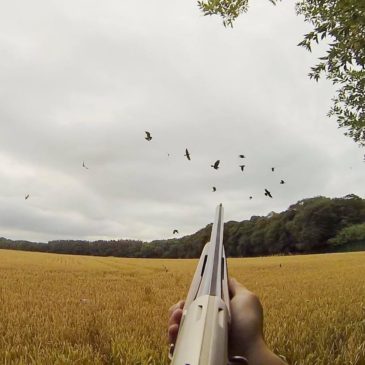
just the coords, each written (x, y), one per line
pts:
(215, 166)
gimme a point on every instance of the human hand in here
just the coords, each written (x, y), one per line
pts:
(175, 314)
(246, 331)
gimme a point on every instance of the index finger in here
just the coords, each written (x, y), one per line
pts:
(179, 305)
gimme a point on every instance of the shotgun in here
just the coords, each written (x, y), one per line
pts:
(203, 333)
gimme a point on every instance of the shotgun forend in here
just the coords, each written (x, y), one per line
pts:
(203, 331)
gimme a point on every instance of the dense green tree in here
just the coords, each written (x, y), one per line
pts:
(339, 23)
(348, 235)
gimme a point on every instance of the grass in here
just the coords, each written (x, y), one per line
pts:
(62, 309)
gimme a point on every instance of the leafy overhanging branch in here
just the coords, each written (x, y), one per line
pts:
(342, 24)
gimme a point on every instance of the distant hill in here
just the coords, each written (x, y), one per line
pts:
(313, 225)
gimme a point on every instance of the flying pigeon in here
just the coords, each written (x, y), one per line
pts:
(241, 156)
(148, 136)
(242, 167)
(216, 165)
(272, 169)
(83, 165)
(187, 154)
(267, 193)
(175, 231)
(214, 189)
(282, 182)
(27, 196)
(250, 197)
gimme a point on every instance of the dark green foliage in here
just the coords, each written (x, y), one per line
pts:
(229, 10)
(312, 225)
(348, 235)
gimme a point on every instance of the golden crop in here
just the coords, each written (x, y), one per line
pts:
(61, 309)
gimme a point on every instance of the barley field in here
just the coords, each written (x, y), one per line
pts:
(62, 309)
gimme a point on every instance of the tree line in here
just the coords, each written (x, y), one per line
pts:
(314, 225)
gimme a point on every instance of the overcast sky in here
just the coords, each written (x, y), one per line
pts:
(82, 80)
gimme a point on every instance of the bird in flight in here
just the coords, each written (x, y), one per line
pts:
(242, 167)
(83, 165)
(216, 165)
(214, 189)
(187, 154)
(272, 169)
(175, 231)
(250, 197)
(282, 182)
(148, 136)
(267, 193)
(27, 196)
(241, 156)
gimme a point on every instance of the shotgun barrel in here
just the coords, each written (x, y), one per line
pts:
(203, 333)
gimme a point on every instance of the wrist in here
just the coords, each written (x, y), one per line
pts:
(260, 354)
(256, 351)
(248, 348)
